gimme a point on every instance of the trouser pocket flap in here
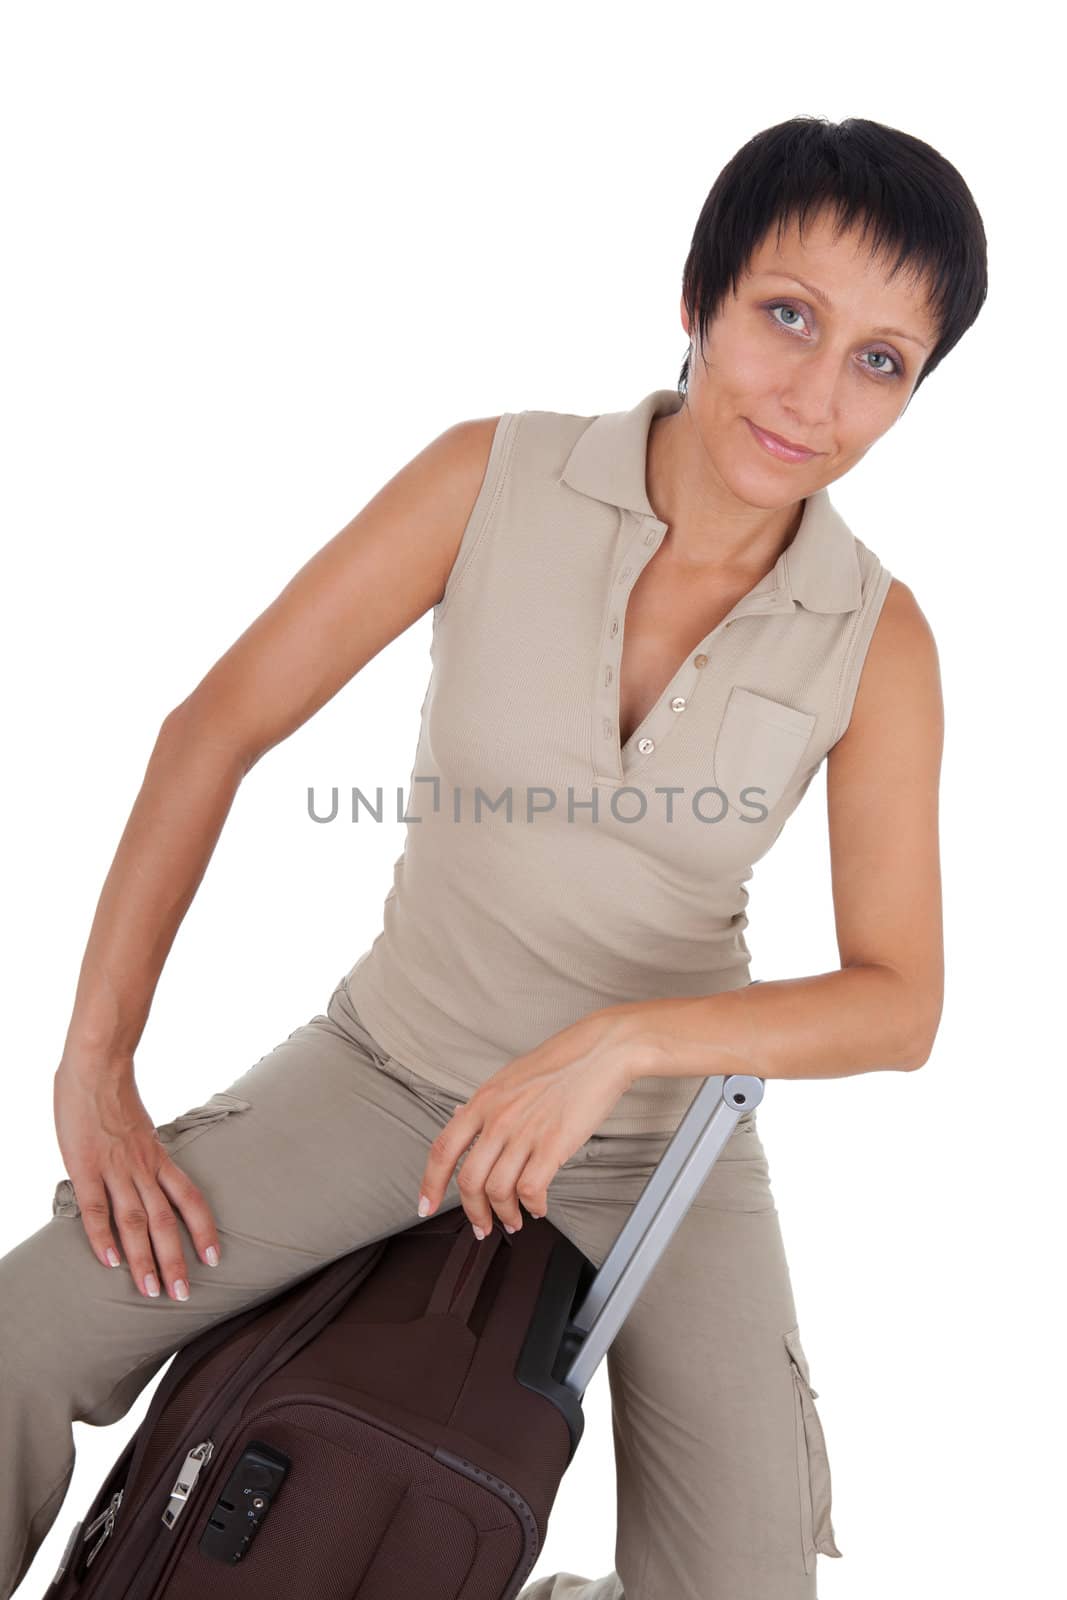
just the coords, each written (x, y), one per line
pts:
(181, 1130)
(813, 1464)
(220, 1105)
(173, 1134)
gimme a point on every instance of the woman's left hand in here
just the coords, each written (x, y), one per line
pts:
(530, 1117)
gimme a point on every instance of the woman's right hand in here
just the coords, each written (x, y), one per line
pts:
(113, 1156)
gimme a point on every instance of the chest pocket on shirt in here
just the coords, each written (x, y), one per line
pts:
(759, 747)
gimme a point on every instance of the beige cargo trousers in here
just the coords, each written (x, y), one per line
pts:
(723, 1482)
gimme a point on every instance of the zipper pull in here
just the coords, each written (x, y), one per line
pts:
(106, 1521)
(111, 1506)
(186, 1480)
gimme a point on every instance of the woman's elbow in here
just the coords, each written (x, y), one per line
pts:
(924, 1033)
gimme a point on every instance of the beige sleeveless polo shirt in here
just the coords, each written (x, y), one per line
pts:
(551, 872)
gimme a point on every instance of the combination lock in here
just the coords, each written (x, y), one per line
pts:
(243, 1504)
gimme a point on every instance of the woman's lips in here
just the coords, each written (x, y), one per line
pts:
(777, 447)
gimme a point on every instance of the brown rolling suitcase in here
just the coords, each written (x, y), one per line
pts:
(395, 1425)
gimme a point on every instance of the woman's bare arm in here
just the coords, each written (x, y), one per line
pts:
(882, 793)
(356, 594)
(882, 1009)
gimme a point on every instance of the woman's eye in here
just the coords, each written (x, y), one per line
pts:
(884, 355)
(881, 355)
(793, 312)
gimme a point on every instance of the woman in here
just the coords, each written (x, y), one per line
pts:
(552, 985)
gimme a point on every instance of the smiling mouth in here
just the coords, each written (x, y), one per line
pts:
(775, 445)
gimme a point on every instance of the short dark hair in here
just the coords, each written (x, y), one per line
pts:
(903, 194)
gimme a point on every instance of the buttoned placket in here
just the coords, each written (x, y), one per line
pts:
(640, 538)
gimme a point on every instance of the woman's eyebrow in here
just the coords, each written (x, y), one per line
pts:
(824, 300)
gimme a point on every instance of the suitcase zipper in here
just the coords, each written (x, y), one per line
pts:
(151, 1572)
(185, 1482)
(315, 1398)
(140, 1566)
(106, 1521)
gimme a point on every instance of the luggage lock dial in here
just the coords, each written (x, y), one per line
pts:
(239, 1511)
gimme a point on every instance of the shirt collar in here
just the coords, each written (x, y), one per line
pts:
(819, 567)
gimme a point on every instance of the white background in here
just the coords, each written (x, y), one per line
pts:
(255, 258)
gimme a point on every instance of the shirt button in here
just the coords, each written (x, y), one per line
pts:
(645, 745)
(700, 661)
(678, 704)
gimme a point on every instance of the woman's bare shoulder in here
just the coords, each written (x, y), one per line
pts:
(900, 683)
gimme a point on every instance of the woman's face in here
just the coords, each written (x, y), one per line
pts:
(827, 376)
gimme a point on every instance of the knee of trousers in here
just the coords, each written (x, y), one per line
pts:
(60, 1343)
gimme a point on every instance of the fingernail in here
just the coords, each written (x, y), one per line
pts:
(509, 1228)
(478, 1234)
(212, 1256)
(112, 1258)
(150, 1284)
(424, 1206)
(181, 1288)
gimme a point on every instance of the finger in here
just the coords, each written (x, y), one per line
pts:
(147, 1224)
(478, 1170)
(191, 1202)
(531, 1186)
(166, 1239)
(455, 1137)
(131, 1220)
(503, 1184)
(92, 1199)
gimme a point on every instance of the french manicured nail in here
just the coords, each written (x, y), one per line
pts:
(478, 1234)
(212, 1256)
(181, 1288)
(509, 1228)
(112, 1258)
(150, 1285)
(424, 1206)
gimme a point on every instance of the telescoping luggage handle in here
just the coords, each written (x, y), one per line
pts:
(696, 1145)
(694, 1148)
